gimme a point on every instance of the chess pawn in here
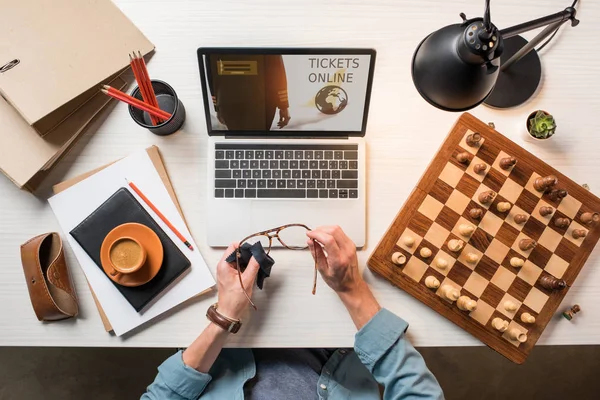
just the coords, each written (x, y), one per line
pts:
(466, 229)
(479, 168)
(589, 218)
(499, 324)
(455, 245)
(409, 241)
(463, 157)
(432, 282)
(475, 213)
(520, 219)
(541, 184)
(527, 244)
(570, 313)
(578, 233)
(551, 283)
(398, 258)
(507, 162)
(473, 139)
(503, 206)
(465, 303)
(546, 210)
(486, 197)
(562, 222)
(527, 318)
(450, 293)
(557, 194)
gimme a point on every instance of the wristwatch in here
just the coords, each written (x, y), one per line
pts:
(228, 324)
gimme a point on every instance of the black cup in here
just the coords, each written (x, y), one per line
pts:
(167, 101)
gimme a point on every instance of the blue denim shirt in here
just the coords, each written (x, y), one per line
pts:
(382, 356)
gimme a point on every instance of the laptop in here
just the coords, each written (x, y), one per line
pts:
(286, 128)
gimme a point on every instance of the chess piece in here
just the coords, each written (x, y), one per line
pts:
(517, 262)
(510, 306)
(398, 258)
(432, 282)
(557, 194)
(472, 258)
(562, 222)
(542, 184)
(545, 210)
(527, 244)
(450, 293)
(527, 318)
(455, 245)
(463, 158)
(520, 219)
(465, 303)
(500, 324)
(441, 263)
(503, 206)
(425, 252)
(479, 168)
(570, 313)
(517, 335)
(475, 213)
(409, 241)
(486, 197)
(473, 139)
(551, 283)
(578, 233)
(589, 218)
(466, 229)
(508, 162)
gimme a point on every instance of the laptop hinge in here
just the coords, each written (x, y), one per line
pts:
(284, 137)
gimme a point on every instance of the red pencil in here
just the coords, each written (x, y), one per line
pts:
(160, 215)
(141, 81)
(124, 97)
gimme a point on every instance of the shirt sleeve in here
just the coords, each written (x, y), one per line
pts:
(176, 381)
(383, 348)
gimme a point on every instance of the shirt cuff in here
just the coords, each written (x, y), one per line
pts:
(181, 379)
(375, 338)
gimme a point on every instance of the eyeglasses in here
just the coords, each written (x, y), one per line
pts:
(291, 236)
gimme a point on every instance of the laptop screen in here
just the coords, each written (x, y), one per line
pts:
(308, 92)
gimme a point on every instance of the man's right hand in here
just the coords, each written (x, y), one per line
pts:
(339, 269)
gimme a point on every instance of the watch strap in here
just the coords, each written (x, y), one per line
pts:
(226, 323)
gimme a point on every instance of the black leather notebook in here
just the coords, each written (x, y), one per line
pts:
(121, 208)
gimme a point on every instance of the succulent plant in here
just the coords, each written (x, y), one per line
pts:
(541, 125)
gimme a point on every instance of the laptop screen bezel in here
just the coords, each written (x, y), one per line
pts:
(283, 51)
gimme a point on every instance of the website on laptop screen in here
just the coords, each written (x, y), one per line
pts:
(295, 92)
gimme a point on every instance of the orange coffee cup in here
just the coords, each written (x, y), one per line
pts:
(126, 255)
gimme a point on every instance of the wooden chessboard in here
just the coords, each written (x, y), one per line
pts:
(440, 204)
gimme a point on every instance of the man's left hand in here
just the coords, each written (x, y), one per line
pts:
(284, 117)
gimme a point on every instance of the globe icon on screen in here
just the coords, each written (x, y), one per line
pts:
(331, 99)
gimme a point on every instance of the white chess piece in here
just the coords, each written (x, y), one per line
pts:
(441, 263)
(503, 206)
(432, 282)
(517, 262)
(465, 229)
(465, 303)
(527, 318)
(510, 306)
(425, 252)
(472, 258)
(455, 245)
(517, 335)
(409, 241)
(450, 293)
(500, 324)
(398, 258)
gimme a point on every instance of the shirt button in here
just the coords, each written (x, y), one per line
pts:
(323, 387)
(342, 351)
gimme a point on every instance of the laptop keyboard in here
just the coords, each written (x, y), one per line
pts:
(272, 171)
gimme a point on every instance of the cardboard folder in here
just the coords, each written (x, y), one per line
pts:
(157, 161)
(54, 55)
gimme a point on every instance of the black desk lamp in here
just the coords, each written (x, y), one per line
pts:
(461, 66)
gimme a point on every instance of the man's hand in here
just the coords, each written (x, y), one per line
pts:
(232, 300)
(339, 269)
(284, 117)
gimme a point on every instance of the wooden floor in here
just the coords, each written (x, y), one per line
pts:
(465, 373)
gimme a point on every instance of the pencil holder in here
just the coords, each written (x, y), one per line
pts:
(167, 101)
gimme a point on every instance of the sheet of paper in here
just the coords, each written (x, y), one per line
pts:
(76, 203)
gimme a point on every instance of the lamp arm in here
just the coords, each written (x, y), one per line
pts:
(562, 16)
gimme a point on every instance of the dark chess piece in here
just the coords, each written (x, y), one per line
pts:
(562, 222)
(520, 219)
(551, 283)
(475, 213)
(541, 184)
(463, 157)
(589, 218)
(486, 197)
(557, 194)
(479, 168)
(545, 210)
(570, 313)
(579, 233)
(473, 139)
(527, 244)
(507, 162)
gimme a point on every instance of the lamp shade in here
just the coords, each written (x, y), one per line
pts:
(455, 68)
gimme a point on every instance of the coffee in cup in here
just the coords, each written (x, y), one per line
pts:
(127, 256)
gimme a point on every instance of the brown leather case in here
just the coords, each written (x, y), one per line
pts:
(48, 280)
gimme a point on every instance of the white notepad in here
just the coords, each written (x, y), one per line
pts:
(77, 202)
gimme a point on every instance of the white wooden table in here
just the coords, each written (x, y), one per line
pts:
(402, 135)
